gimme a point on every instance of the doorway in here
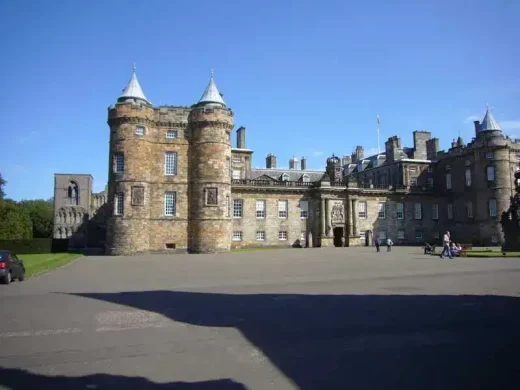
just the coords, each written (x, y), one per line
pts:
(338, 235)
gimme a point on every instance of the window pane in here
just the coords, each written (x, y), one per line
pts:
(260, 236)
(282, 209)
(237, 208)
(170, 163)
(449, 210)
(400, 210)
(120, 163)
(260, 208)
(492, 207)
(169, 203)
(304, 209)
(381, 210)
(491, 173)
(448, 181)
(362, 209)
(119, 203)
(418, 211)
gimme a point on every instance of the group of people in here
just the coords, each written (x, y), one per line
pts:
(378, 243)
(449, 247)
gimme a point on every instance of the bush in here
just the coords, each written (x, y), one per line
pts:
(35, 245)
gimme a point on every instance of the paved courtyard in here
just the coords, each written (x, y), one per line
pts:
(335, 318)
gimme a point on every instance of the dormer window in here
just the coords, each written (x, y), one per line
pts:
(285, 177)
(139, 130)
(306, 178)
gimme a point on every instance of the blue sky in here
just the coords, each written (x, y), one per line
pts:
(305, 77)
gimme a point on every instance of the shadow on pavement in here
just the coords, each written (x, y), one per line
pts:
(359, 341)
(16, 379)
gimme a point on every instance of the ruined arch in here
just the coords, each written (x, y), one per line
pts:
(73, 193)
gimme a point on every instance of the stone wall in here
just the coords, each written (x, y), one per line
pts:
(249, 224)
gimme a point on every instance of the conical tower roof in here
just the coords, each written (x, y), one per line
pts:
(211, 95)
(489, 122)
(133, 90)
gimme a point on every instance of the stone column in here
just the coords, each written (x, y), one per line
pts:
(349, 218)
(354, 217)
(327, 217)
(322, 216)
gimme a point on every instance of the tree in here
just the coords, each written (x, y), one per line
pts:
(41, 213)
(2, 184)
(15, 223)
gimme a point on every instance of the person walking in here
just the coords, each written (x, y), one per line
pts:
(377, 243)
(446, 245)
(389, 244)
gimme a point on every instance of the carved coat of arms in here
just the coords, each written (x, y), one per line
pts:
(337, 213)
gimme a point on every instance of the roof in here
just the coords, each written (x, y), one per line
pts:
(211, 94)
(489, 123)
(293, 174)
(133, 90)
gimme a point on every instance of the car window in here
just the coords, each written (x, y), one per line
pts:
(14, 256)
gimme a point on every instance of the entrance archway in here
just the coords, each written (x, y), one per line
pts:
(338, 235)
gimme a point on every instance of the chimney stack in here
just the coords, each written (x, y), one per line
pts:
(294, 163)
(304, 163)
(346, 160)
(477, 127)
(270, 161)
(241, 137)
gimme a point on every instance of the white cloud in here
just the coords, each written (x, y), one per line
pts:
(471, 119)
(510, 125)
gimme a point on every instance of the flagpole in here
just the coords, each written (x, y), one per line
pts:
(378, 150)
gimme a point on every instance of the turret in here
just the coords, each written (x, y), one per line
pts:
(334, 168)
(210, 123)
(131, 122)
(489, 126)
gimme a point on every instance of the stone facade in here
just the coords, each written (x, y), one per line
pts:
(176, 183)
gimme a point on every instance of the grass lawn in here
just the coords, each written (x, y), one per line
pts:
(34, 264)
(492, 254)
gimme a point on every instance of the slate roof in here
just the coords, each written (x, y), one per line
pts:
(489, 122)
(211, 94)
(371, 162)
(293, 174)
(133, 90)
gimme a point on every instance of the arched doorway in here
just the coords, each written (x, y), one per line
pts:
(338, 235)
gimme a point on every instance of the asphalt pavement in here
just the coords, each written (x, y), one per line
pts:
(331, 318)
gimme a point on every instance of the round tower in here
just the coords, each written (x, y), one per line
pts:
(210, 204)
(495, 154)
(130, 121)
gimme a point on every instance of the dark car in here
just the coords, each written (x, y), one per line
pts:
(11, 267)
